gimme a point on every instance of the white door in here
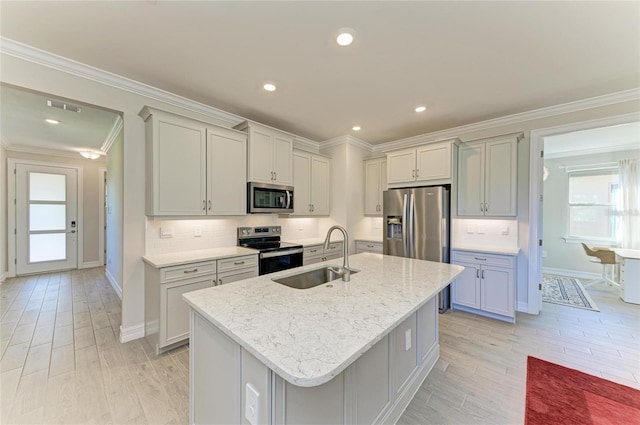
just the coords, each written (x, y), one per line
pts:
(46, 219)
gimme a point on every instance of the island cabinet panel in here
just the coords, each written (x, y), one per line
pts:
(403, 353)
(210, 348)
(323, 404)
(426, 331)
(372, 389)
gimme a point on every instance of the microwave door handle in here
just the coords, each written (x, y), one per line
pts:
(288, 199)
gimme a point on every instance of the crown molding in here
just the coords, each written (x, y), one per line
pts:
(51, 60)
(113, 134)
(565, 108)
(48, 152)
(592, 151)
(306, 145)
(349, 140)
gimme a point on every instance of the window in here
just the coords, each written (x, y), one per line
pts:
(592, 204)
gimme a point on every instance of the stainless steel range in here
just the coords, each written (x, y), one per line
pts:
(275, 255)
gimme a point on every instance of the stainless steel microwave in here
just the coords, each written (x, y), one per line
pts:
(269, 198)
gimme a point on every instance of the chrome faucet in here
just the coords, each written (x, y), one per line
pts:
(344, 270)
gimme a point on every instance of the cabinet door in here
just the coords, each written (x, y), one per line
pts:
(175, 323)
(433, 162)
(466, 287)
(282, 159)
(178, 148)
(320, 184)
(501, 178)
(471, 180)
(497, 290)
(227, 173)
(372, 192)
(301, 183)
(260, 156)
(383, 182)
(402, 166)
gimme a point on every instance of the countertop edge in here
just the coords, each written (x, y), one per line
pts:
(487, 250)
(197, 256)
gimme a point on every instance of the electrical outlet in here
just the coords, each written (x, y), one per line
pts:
(252, 397)
(166, 232)
(505, 230)
(470, 228)
(481, 229)
(407, 340)
(197, 231)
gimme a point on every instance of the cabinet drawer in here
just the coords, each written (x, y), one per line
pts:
(482, 258)
(236, 275)
(316, 250)
(237, 263)
(362, 246)
(184, 271)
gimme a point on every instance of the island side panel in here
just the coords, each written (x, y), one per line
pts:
(214, 370)
(323, 404)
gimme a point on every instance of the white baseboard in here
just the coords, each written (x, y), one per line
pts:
(571, 273)
(3, 276)
(131, 333)
(113, 283)
(522, 307)
(89, 265)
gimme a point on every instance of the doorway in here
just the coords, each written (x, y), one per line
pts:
(46, 218)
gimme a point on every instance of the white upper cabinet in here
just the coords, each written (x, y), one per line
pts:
(311, 182)
(375, 182)
(487, 177)
(270, 154)
(429, 164)
(193, 168)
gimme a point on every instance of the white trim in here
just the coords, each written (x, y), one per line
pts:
(571, 273)
(601, 242)
(114, 284)
(102, 175)
(89, 265)
(592, 151)
(11, 209)
(113, 134)
(3, 277)
(306, 145)
(130, 333)
(522, 307)
(349, 140)
(46, 151)
(536, 144)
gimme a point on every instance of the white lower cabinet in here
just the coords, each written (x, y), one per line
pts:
(166, 313)
(368, 246)
(375, 389)
(314, 253)
(486, 286)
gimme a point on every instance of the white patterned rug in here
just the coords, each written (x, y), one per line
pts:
(566, 291)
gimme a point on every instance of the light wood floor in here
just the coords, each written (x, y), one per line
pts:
(62, 363)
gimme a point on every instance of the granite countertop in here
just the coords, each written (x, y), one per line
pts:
(487, 249)
(186, 257)
(309, 336)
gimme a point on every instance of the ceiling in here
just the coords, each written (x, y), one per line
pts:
(466, 61)
(593, 141)
(23, 125)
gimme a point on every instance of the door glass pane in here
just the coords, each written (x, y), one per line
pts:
(47, 247)
(47, 187)
(47, 217)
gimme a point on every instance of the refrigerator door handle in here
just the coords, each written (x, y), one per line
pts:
(412, 227)
(405, 241)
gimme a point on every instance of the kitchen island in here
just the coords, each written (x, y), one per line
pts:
(354, 352)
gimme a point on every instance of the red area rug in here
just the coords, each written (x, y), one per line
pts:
(558, 395)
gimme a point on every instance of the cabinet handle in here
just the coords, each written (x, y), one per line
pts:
(481, 207)
(219, 281)
(313, 208)
(413, 174)
(209, 205)
(313, 250)
(369, 246)
(486, 207)
(309, 207)
(483, 274)
(480, 259)
(204, 205)
(237, 263)
(478, 273)
(190, 271)
(417, 172)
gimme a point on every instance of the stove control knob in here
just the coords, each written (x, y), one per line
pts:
(274, 230)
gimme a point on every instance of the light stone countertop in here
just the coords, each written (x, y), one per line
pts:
(487, 249)
(633, 254)
(186, 257)
(369, 239)
(308, 336)
(313, 241)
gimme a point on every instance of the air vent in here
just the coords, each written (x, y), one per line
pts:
(65, 106)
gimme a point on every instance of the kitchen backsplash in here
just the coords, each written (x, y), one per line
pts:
(477, 232)
(167, 236)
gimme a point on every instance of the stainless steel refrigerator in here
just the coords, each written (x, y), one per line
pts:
(416, 225)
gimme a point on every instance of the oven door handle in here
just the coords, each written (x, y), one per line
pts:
(281, 253)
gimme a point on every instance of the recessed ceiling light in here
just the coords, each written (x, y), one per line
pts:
(52, 121)
(421, 108)
(269, 87)
(344, 38)
(356, 128)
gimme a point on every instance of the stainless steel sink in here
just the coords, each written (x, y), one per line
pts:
(311, 278)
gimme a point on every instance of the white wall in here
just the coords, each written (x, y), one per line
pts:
(115, 212)
(90, 205)
(3, 214)
(560, 255)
